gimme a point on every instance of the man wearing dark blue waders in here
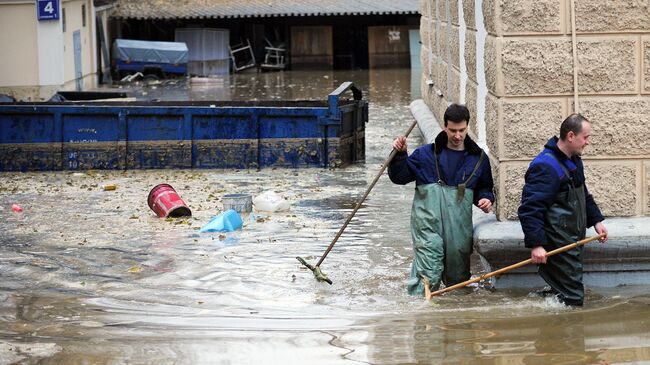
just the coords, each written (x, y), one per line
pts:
(556, 209)
(450, 175)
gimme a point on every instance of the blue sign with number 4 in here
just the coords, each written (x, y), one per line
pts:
(47, 9)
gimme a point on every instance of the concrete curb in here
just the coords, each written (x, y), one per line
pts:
(427, 122)
(623, 260)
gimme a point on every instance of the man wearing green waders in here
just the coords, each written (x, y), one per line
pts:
(450, 175)
(556, 209)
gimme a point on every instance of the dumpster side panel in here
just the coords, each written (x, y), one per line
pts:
(360, 134)
(291, 140)
(225, 141)
(142, 135)
(351, 144)
(158, 140)
(347, 147)
(26, 141)
(90, 141)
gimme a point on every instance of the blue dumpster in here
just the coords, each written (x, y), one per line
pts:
(147, 135)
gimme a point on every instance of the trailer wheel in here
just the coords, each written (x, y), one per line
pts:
(154, 71)
(151, 77)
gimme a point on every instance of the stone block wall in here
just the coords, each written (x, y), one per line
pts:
(447, 31)
(518, 65)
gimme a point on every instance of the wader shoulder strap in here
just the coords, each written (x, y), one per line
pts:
(441, 180)
(476, 167)
(461, 186)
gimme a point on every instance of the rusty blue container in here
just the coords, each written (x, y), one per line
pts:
(147, 135)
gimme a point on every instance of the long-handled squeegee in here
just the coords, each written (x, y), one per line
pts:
(316, 269)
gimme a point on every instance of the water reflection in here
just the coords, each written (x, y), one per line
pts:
(535, 335)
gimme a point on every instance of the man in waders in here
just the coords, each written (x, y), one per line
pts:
(450, 175)
(556, 209)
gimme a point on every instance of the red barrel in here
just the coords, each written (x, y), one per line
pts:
(164, 201)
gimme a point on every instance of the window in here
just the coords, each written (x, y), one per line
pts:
(63, 19)
(83, 15)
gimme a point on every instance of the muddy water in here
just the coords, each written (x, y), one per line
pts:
(93, 277)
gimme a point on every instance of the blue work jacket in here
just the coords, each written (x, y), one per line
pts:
(420, 167)
(545, 178)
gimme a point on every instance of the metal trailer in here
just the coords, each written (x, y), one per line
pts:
(149, 57)
(155, 135)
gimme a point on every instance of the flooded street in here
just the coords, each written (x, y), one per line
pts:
(94, 277)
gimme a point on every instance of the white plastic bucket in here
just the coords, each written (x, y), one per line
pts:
(270, 201)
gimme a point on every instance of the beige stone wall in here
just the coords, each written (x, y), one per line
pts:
(646, 186)
(646, 64)
(529, 75)
(440, 36)
(430, 56)
(19, 59)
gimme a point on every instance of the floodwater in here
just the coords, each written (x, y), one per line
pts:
(93, 277)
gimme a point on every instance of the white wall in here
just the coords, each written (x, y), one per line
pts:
(50, 52)
(18, 42)
(37, 57)
(74, 23)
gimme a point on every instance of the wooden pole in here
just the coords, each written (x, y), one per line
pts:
(363, 198)
(318, 273)
(428, 294)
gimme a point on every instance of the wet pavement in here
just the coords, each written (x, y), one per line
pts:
(94, 277)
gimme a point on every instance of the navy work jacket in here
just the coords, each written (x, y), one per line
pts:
(420, 167)
(545, 178)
